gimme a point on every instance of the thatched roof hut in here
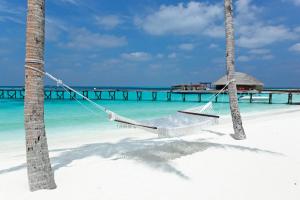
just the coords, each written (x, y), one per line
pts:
(243, 81)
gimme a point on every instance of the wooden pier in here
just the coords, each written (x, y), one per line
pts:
(155, 95)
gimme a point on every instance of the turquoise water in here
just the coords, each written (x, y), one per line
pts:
(63, 116)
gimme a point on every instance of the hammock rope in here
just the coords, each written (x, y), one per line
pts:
(173, 125)
(61, 83)
(84, 106)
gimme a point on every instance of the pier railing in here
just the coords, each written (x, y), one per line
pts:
(152, 95)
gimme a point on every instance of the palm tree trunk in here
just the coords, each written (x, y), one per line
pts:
(239, 133)
(40, 174)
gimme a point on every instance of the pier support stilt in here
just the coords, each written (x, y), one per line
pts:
(22, 94)
(290, 98)
(112, 95)
(154, 95)
(60, 95)
(98, 95)
(270, 98)
(139, 95)
(183, 97)
(169, 96)
(48, 94)
(72, 95)
(199, 97)
(125, 95)
(12, 94)
(1, 94)
(85, 93)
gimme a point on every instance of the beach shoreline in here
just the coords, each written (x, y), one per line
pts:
(81, 135)
(137, 164)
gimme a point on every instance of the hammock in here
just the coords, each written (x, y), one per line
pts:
(177, 124)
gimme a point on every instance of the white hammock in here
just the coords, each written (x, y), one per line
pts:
(182, 122)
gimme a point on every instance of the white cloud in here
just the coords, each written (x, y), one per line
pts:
(11, 19)
(186, 46)
(193, 18)
(297, 29)
(160, 55)
(259, 51)
(155, 66)
(244, 58)
(172, 55)
(54, 28)
(109, 21)
(197, 18)
(260, 35)
(247, 12)
(8, 8)
(267, 57)
(213, 46)
(74, 2)
(12, 13)
(136, 56)
(82, 38)
(256, 54)
(295, 48)
(296, 2)
(254, 32)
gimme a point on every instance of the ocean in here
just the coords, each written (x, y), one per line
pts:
(63, 117)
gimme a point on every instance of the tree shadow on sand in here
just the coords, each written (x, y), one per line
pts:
(156, 153)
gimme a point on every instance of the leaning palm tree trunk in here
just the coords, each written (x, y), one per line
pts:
(235, 113)
(40, 174)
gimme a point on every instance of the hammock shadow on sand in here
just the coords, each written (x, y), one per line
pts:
(155, 153)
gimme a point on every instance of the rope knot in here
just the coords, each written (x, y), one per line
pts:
(59, 82)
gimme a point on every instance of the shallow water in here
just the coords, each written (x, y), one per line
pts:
(64, 116)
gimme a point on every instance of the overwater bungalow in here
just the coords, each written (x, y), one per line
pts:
(189, 87)
(244, 82)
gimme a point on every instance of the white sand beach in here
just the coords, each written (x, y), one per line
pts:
(133, 164)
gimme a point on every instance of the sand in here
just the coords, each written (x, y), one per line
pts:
(133, 164)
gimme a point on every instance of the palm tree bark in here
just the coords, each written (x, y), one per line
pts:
(239, 132)
(40, 174)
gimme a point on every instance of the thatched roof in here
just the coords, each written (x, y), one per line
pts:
(241, 79)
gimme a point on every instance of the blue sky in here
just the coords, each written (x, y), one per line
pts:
(154, 42)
